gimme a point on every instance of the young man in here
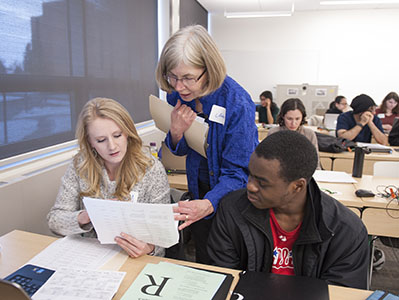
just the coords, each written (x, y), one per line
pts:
(282, 223)
(361, 123)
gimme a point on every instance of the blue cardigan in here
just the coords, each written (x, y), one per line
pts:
(230, 145)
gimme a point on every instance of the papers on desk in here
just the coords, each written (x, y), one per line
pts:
(170, 281)
(333, 176)
(150, 223)
(375, 147)
(83, 284)
(196, 135)
(75, 260)
(76, 252)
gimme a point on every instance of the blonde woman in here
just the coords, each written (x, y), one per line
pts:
(110, 164)
(192, 71)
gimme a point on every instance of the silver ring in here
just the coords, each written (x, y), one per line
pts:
(186, 217)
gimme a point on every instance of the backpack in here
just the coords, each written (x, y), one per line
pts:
(332, 144)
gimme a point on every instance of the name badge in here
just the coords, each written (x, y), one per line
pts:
(381, 116)
(134, 196)
(218, 114)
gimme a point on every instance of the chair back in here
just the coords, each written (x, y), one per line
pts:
(386, 169)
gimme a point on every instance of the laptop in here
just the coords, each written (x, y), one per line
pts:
(330, 121)
(24, 282)
(171, 162)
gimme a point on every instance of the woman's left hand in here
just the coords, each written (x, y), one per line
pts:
(132, 246)
(192, 211)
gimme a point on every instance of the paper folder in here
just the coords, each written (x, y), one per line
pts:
(196, 135)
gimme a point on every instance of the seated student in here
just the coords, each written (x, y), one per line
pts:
(110, 164)
(282, 223)
(268, 110)
(338, 106)
(388, 111)
(360, 124)
(292, 116)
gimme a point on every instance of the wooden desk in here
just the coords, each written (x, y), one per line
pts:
(20, 246)
(344, 161)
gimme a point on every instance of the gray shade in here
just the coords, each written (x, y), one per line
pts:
(56, 55)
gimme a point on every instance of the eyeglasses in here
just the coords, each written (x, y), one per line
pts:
(187, 81)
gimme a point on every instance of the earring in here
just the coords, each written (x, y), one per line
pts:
(94, 151)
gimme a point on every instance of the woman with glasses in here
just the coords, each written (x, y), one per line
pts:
(192, 71)
(338, 106)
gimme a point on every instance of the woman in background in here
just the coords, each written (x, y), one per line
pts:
(338, 106)
(388, 111)
(110, 164)
(292, 116)
(192, 71)
(268, 110)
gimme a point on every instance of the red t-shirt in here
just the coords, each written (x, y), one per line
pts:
(384, 118)
(283, 242)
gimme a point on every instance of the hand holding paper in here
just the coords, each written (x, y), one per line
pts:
(149, 223)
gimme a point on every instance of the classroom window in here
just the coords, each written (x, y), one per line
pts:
(57, 54)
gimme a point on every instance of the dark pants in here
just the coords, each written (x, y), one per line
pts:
(200, 231)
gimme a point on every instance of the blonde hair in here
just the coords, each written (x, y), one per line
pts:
(89, 164)
(193, 46)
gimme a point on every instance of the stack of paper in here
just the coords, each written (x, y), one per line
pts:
(333, 176)
(76, 261)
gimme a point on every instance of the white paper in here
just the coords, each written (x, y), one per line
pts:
(150, 223)
(374, 146)
(75, 284)
(333, 176)
(196, 135)
(75, 252)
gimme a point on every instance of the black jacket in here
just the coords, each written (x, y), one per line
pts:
(332, 243)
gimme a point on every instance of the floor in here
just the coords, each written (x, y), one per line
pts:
(386, 279)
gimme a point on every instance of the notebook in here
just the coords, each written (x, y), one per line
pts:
(171, 162)
(261, 285)
(29, 278)
(330, 121)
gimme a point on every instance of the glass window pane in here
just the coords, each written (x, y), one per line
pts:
(35, 115)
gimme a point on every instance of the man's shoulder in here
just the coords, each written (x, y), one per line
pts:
(234, 200)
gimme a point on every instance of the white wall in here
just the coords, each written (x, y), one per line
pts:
(354, 49)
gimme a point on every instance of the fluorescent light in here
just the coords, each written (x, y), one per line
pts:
(355, 2)
(260, 14)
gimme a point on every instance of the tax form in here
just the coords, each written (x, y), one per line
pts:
(150, 223)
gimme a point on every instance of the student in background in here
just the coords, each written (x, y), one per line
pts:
(388, 111)
(283, 223)
(192, 71)
(268, 110)
(338, 106)
(292, 117)
(360, 124)
(110, 164)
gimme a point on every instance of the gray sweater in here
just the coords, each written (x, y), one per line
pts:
(63, 216)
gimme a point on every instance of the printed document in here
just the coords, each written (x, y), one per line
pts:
(76, 252)
(174, 282)
(74, 284)
(150, 223)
